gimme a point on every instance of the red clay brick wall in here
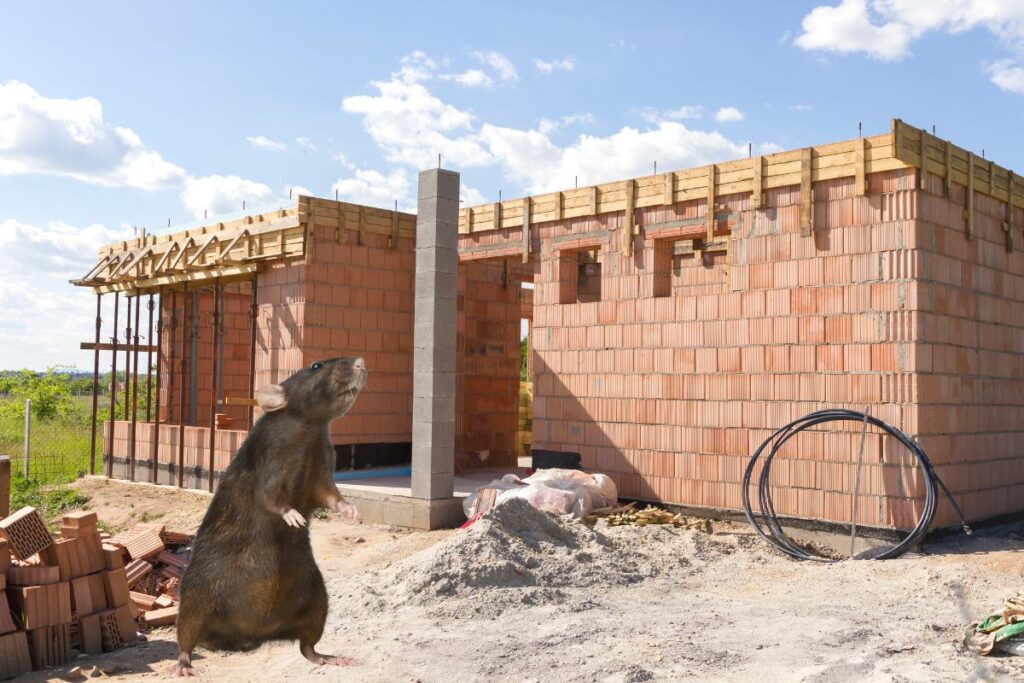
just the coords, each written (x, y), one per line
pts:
(359, 302)
(487, 385)
(235, 370)
(281, 292)
(671, 394)
(971, 382)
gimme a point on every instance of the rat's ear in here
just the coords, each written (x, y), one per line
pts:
(271, 397)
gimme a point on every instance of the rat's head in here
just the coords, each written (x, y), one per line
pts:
(323, 390)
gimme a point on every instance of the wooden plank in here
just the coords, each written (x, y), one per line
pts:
(339, 229)
(469, 220)
(1008, 225)
(757, 196)
(497, 215)
(559, 201)
(806, 226)
(394, 227)
(897, 137)
(948, 181)
(922, 169)
(669, 189)
(860, 177)
(526, 230)
(710, 217)
(226, 274)
(93, 346)
(970, 195)
(361, 226)
(627, 219)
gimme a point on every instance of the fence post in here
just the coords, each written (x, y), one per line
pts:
(28, 431)
(5, 485)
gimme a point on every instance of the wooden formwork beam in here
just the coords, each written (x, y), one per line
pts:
(806, 182)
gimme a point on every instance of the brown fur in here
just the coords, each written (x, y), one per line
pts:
(252, 577)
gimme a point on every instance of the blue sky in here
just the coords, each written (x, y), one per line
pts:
(116, 115)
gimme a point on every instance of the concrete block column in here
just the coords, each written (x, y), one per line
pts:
(434, 335)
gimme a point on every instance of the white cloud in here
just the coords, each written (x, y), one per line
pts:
(343, 160)
(373, 188)
(885, 29)
(413, 126)
(801, 107)
(260, 142)
(530, 157)
(217, 194)
(546, 67)
(472, 78)
(1006, 74)
(306, 144)
(37, 264)
(499, 62)
(728, 115)
(470, 196)
(848, 28)
(550, 125)
(687, 111)
(66, 137)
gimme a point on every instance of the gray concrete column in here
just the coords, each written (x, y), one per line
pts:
(434, 336)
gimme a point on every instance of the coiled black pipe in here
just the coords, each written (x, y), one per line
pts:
(768, 526)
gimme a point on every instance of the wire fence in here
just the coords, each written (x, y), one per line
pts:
(50, 450)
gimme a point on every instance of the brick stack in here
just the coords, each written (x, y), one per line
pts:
(153, 560)
(61, 592)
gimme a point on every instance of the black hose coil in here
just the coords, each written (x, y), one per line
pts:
(770, 529)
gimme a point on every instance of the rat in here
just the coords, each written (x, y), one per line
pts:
(252, 576)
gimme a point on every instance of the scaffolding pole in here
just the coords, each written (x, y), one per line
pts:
(217, 302)
(95, 384)
(135, 389)
(154, 452)
(109, 455)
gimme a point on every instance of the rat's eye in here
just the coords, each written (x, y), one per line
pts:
(316, 366)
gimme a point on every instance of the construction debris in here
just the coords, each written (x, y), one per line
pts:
(628, 515)
(1002, 630)
(84, 592)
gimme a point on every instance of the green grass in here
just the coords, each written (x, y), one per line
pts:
(51, 501)
(58, 446)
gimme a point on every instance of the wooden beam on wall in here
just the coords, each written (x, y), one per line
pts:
(949, 168)
(393, 242)
(497, 215)
(1008, 225)
(922, 175)
(806, 208)
(669, 189)
(757, 194)
(970, 196)
(526, 229)
(860, 176)
(711, 204)
(361, 226)
(627, 220)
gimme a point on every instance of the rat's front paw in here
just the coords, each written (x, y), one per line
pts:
(294, 518)
(347, 510)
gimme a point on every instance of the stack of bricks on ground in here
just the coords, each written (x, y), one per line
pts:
(83, 591)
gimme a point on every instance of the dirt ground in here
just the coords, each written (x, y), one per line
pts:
(678, 605)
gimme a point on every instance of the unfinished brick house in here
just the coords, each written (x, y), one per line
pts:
(677, 321)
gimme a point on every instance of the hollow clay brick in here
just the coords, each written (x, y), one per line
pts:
(25, 533)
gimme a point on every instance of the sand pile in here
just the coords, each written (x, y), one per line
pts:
(518, 556)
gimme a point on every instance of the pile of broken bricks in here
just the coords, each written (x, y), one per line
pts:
(82, 592)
